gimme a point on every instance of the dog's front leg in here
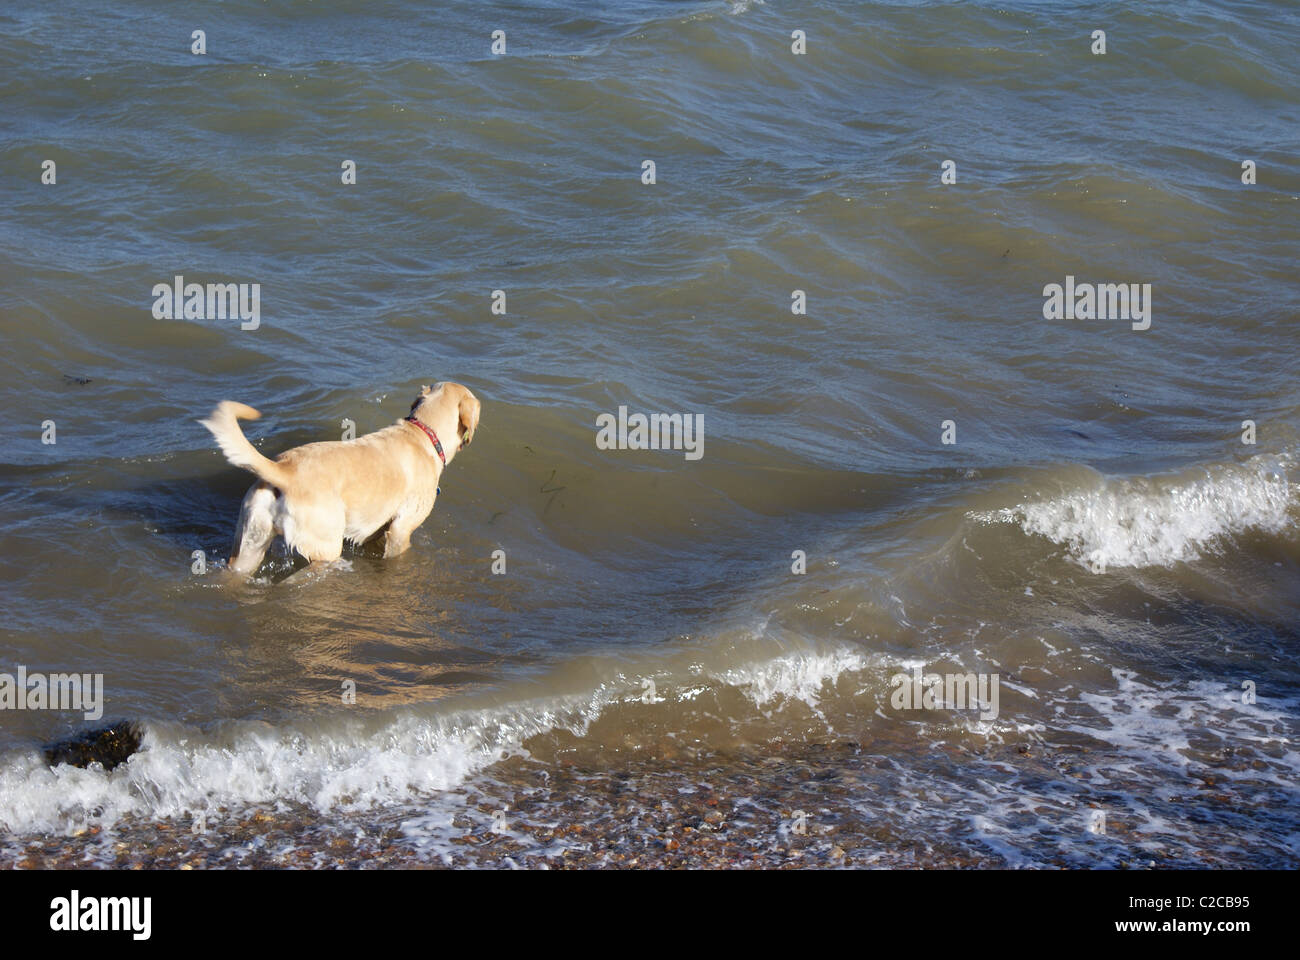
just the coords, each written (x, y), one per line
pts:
(398, 538)
(396, 542)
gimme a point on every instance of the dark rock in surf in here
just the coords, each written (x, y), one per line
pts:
(109, 745)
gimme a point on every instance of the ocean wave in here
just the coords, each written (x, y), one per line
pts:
(1158, 521)
(358, 764)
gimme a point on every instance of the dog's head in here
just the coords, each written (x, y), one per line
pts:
(451, 407)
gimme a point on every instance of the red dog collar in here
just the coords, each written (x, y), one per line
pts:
(433, 437)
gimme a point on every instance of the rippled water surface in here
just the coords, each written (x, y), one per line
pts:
(1099, 538)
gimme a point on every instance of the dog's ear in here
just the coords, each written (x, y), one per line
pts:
(469, 412)
(424, 392)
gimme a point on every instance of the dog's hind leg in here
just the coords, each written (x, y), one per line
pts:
(255, 529)
(319, 542)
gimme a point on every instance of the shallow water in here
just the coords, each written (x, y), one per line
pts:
(1099, 538)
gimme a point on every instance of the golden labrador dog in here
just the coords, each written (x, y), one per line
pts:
(320, 494)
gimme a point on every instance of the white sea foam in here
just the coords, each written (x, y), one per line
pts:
(1153, 720)
(1145, 522)
(353, 766)
(1140, 733)
(181, 773)
(797, 676)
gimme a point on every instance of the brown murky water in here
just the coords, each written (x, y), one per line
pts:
(684, 661)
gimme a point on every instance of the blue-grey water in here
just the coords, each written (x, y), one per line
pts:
(1097, 533)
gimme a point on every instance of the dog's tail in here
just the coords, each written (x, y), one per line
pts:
(224, 424)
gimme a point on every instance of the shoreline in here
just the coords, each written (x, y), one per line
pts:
(689, 814)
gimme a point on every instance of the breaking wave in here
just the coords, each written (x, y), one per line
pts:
(1159, 521)
(357, 764)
